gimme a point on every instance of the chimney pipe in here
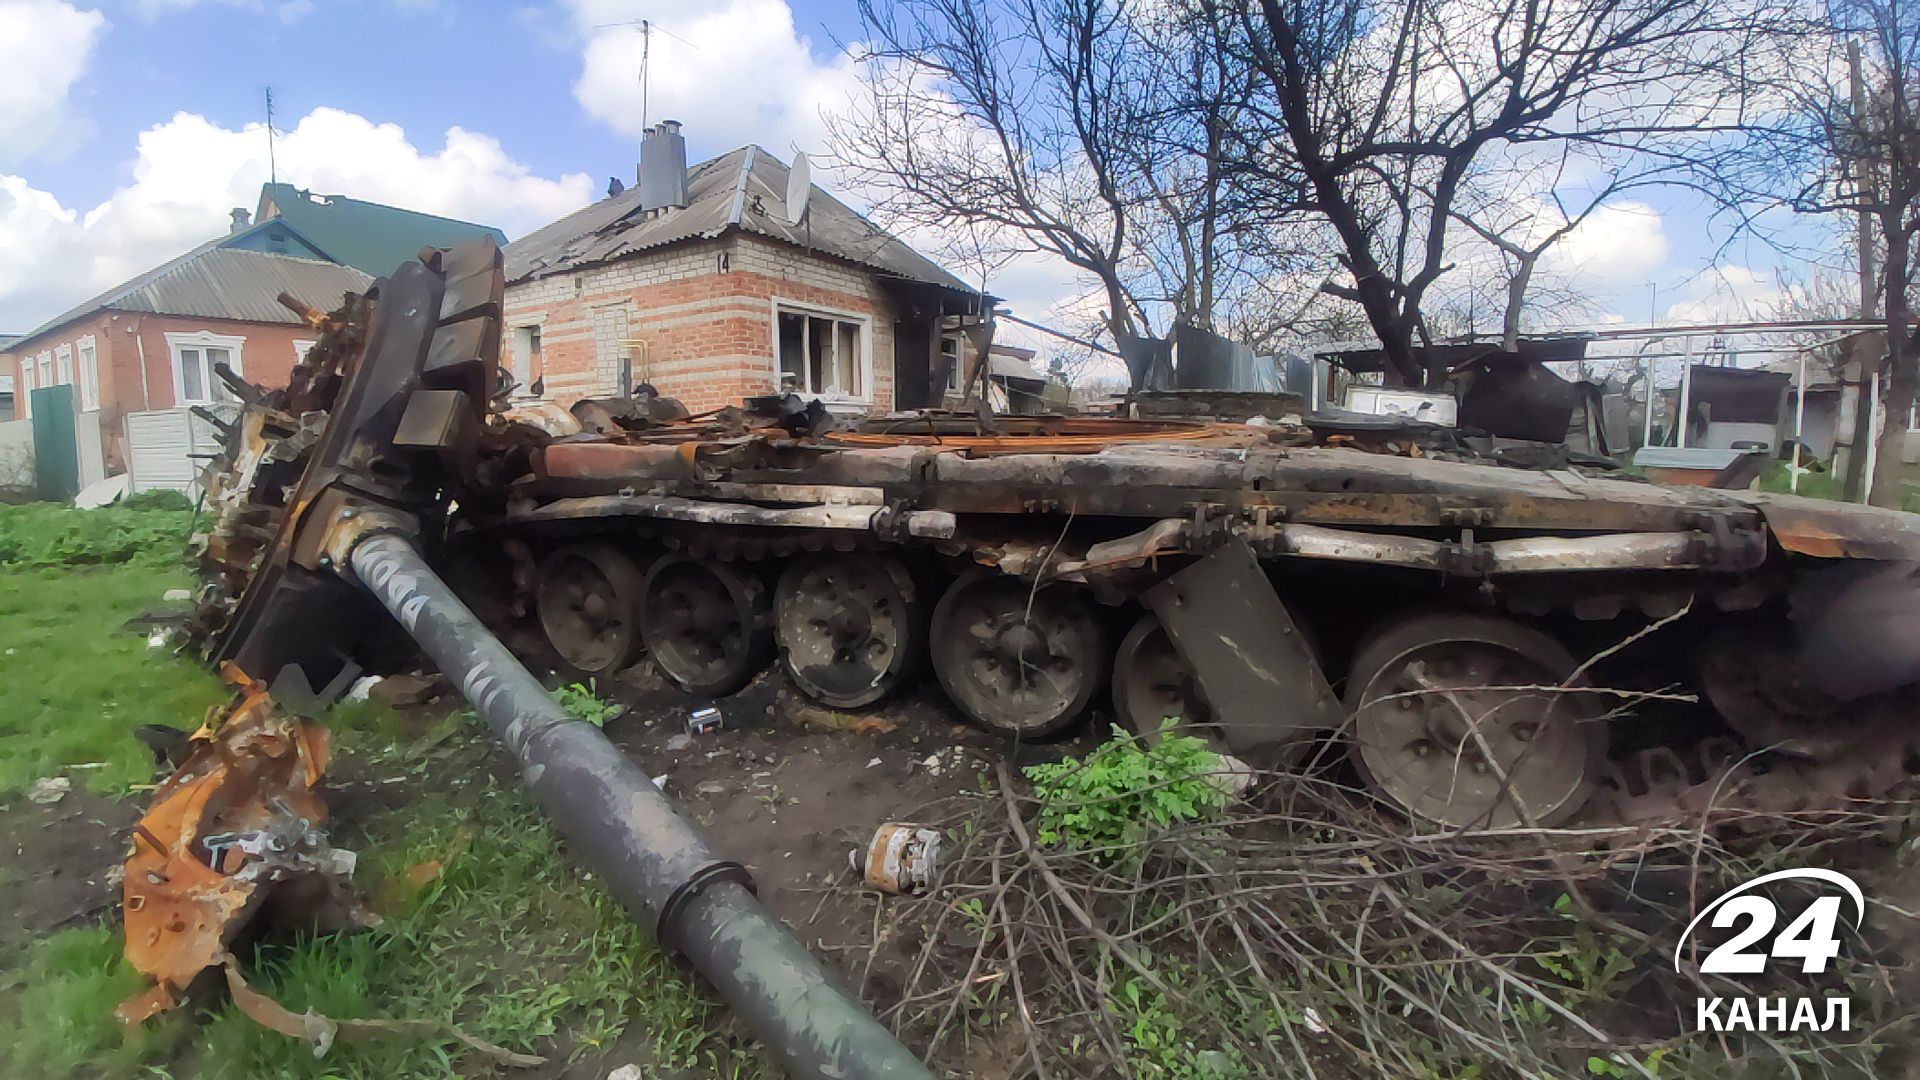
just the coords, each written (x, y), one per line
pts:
(663, 167)
(240, 222)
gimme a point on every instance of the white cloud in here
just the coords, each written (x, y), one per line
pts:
(1726, 294)
(733, 71)
(189, 172)
(1619, 244)
(45, 47)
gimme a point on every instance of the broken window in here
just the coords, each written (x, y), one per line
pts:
(950, 353)
(822, 354)
(526, 362)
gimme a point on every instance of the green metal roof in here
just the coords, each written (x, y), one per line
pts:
(369, 237)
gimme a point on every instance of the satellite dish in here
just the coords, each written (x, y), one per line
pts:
(799, 188)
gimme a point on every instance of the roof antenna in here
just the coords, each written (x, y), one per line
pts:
(647, 27)
(273, 170)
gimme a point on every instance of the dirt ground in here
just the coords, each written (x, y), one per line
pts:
(790, 789)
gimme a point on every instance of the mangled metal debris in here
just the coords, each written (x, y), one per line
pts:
(238, 820)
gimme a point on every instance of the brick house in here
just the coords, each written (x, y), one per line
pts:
(699, 282)
(142, 355)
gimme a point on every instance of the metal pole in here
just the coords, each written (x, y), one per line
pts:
(651, 859)
(1686, 397)
(1799, 425)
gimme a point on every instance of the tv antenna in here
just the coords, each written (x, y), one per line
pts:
(273, 170)
(647, 27)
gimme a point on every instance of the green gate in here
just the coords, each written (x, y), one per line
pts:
(56, 453)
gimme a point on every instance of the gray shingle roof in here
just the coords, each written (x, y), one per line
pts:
(213, 282)
(744, 189)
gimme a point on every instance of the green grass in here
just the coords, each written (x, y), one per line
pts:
(1775, 477)
(48, 535)
(507, 938)
(77, 684)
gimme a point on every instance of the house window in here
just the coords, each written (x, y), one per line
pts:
(89, 375)
(950, 353)
(63, 363)
(26, 387)
(195, 356)
(527, 363)
(822, 353)
(300, 349)
(46, 369)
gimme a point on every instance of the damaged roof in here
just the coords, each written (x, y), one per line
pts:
(744, 189)
(217, 282)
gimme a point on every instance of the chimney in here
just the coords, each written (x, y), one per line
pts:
(240, 222)
(663, 167)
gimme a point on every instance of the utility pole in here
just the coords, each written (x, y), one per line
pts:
(1865, 366)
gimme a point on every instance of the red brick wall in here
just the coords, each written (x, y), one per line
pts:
(121, 337)
(699, 329)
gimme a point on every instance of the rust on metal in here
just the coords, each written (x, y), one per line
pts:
(239, 815)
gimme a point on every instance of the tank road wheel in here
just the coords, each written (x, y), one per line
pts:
(1021, 661)
(848, 626)
(1152, 683)
(706, 625)
(1418, 690)
(588, 600)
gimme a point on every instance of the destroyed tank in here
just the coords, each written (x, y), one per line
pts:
(1481, 645)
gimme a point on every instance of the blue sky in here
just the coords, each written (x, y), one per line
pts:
(133, 125)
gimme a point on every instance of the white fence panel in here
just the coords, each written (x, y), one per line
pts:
(16, 454)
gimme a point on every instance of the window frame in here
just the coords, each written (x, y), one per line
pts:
(522, 366)
(301, 347)
(203, 340)
(63, 364)
(87, 365)
(864, 370)
(23, 385)
(45, 360)
(955, 370)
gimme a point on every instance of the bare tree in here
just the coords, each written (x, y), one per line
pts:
(1386, 107)
(1851, 145)
(1091, 129)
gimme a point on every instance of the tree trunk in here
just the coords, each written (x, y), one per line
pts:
(1516, 301)
(1889, 465)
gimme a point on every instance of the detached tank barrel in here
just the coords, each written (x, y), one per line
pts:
(652, 859)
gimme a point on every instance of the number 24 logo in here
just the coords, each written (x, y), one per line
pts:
(1811, 938)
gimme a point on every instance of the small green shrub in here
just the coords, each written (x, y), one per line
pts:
(582, 703)
(45, 535)
(157, 499)
(1103, 804)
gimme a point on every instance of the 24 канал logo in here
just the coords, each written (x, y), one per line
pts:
(1807, 941)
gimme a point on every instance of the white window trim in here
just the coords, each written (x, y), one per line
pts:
(46, 369)
(956, 374)
(63, 364)
(87, 363)
(201, 339)
(23, 385)
(300, 350)
(799, 307)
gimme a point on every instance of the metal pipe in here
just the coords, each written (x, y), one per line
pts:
(652, 860)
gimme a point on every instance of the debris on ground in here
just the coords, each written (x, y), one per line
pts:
(49, 790)
(901, 858)
(239, 819)
(322, 1031)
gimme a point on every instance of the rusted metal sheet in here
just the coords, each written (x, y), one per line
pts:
(239, 816)
(1827, 530)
